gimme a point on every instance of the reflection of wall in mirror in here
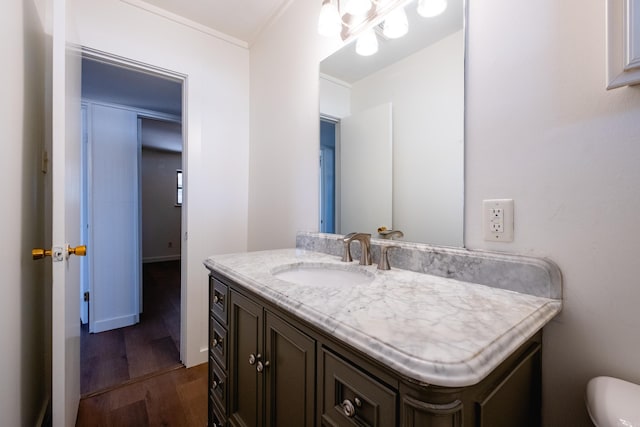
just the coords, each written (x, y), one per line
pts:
(427, 92)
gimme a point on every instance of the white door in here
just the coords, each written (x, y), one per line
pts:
(65, 217)
(114, 261)
(366, 174)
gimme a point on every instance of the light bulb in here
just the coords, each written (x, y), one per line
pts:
(357, 7)
(396, 24)
(431, 8)
(329, 23)
(367, 43)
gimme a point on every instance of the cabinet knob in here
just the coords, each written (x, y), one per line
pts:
(260, 367)
(215, 384)
(348, 408)
(252, 359)
(216, 341)
(217, 298)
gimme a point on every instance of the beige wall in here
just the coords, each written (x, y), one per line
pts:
(540, 129)
(24, 301)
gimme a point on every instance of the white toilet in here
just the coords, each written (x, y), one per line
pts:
(613, 403)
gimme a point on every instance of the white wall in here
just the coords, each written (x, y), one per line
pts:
(426, 90)
(335, 97)
(216, 126)
(24, 386)
(160, 215)
(568, 153)
(284, 171)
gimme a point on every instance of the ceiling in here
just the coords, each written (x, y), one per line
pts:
(241, 19)
(117, 85)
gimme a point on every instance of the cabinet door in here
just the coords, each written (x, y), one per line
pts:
(289, 375)
(516, 399)
(245, 342)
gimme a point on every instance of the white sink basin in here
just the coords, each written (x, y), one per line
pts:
(323, 274)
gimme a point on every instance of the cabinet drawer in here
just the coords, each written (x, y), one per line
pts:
(218, 387)
(351, 397)
(216, 419)
(218, 297)
(218, 342)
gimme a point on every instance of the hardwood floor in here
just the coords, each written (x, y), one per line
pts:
(175, 398)
(115, 357)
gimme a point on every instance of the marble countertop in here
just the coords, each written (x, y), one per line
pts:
(435, 330)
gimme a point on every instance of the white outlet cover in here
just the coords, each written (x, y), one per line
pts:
(490, 221)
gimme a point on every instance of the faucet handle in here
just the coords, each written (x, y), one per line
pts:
(346, 255)
(383, 263)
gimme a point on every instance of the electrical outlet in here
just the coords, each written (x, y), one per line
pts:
(497, 220)
(497, 227)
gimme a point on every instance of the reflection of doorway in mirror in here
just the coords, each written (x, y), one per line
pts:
(327, 175)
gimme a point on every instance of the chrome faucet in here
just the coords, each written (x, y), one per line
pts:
(365, 247)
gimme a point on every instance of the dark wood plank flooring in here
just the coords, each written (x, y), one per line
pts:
(175, 398)
(121, 355)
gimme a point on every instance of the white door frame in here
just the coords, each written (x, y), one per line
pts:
(135, 65)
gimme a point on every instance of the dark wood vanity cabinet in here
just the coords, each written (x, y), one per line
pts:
(268, 368)
(272, 368)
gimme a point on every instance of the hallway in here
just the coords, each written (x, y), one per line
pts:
(112, 358)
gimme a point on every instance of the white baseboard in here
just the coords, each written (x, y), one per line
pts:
(115, 322)
(160, 258)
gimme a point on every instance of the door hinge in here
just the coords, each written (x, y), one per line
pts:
(86, 297)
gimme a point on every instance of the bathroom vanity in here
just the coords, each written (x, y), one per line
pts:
(291, 347)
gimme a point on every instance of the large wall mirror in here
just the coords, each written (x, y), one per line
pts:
(392, 132)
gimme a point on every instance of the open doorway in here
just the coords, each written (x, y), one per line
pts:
(131, 281)
(329, 165)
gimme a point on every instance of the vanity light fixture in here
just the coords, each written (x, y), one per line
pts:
(431, 8)
(357, 7)
(350, 17)
(330, 22)
(396, 24)
(367, 43)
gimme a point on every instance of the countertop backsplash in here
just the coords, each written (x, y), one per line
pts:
(528, 275)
